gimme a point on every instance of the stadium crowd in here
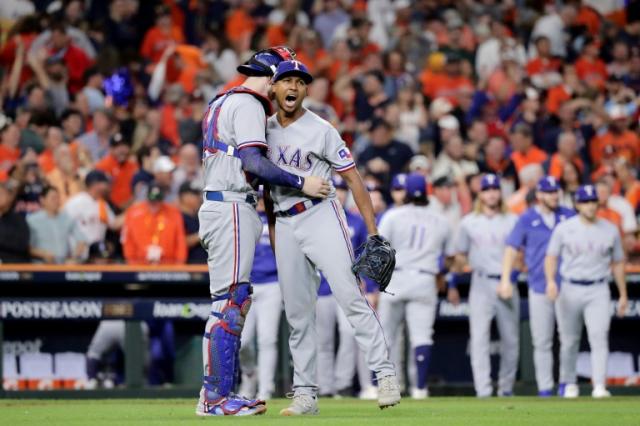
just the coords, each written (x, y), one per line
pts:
(102, 103)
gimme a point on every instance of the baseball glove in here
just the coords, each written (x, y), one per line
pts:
(377, 261)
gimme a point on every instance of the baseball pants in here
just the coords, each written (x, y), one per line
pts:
(484, 305)
(589, 305)
(319, 237)
(542, 320)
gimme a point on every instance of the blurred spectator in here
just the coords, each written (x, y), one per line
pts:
(64, 176)
(189, 201)
(32, 182)
(589, 67)
(53, 139)
(570, 181)
(618, 141)
(154, 232)
(411, 117)
(54, 236)
(553, 26)
(9, 146)
(328, 19)
(567, 152)
(372, 99)
(620, 65)
(528, 176)
(217, 52)
(496, 161)
(316, 101)
(161, 35)
(90, 209)
(604, 211)
(188, 169)
(120, 168)
(619, 204)
(14, 231)
(384, 156)
(144, 176)
(96, 142)
(451, 161)
(72, 124)
(629, 184)
(544, 69)
(91, 98)
(163, 176)
(524, 151)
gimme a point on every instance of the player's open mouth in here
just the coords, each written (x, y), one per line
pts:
(290, 100)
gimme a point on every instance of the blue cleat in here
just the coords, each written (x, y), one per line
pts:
(231, 405)
(561, 388)
(545, 393)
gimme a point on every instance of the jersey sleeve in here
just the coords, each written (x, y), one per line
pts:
(517, 237)
(249, 122)
(555, 243)
(618, 251)
(463, 239)
(336, 152)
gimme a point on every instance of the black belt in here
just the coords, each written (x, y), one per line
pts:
(422, 271)
(587, 282)
(482, 274)
(299, 208)
(219, 196)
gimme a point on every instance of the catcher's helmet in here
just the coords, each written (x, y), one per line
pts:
(265, 62)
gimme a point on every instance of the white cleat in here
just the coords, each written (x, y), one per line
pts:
(419, 393)
(571, 391)
(302, 405)
(369, 393)
(388, 392)
(599, 391)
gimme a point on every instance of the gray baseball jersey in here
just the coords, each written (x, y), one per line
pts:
(317, 237)
(310, 146)
(240, 123)
(483, 239)
(587, 250)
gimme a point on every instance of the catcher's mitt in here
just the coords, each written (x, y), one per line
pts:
(377, 261)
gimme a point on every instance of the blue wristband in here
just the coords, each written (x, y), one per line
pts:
(514, 276)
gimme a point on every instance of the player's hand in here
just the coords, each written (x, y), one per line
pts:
(316, 187)
(552, 290)
(453, 296)
(623, 303)
(505, 290)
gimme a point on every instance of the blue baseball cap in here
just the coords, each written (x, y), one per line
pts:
(292, 67)
(399, 181)
(339, 183)
(490, 181)
(586, 193)
(416, 185)
(548, 184)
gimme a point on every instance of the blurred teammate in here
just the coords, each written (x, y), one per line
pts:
(233, 153)
(481, 240)
(590, 249)
(312, 233)
(262, 320)
(531, 234)
(420, 238)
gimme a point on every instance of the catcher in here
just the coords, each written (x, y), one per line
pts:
(309, 233)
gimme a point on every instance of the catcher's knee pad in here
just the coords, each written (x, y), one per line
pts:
(224, 341)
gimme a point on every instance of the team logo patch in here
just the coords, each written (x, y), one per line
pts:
(344, 153)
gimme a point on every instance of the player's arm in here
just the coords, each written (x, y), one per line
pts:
(453, 277)
(550, 269)
(505, 290)
(271, 217)
(617, 268)
(361, 198)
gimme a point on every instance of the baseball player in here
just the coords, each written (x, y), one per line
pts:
(233, 147)
(328, 314)
(420, 237)
(590, 249)
(312, 233)
(481, 239)
(262, 321)
(531, 234)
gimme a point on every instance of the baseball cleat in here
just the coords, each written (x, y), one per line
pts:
(419, 393)
(302, 405)
(545, 393)
(232, 405)
(388, 392)
(505, 394)
(369, 393)
(599, 391)
(571, 390)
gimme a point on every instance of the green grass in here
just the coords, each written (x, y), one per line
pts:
(617, 411)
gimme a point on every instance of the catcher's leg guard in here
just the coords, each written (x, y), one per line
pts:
(224, 345)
